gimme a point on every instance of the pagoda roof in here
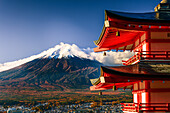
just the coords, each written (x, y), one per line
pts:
(123, 76)
(130, 26)
(165, 1)
(137, 17)
(108, 40)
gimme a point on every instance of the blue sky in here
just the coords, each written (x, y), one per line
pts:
(28, 27)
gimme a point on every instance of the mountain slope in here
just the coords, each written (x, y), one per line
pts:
(59, 51)
(62, 67)
(51, 74)
(66, 50)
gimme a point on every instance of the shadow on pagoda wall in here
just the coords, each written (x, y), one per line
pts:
(145, 67)
(154, 67)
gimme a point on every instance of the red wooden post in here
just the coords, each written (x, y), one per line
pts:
(139, 107)
(140, 56)
(168, 106)
(166, 53)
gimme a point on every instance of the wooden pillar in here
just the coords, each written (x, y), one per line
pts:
(148, 44)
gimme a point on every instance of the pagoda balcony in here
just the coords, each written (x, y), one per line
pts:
(148, 56)
(145, 107)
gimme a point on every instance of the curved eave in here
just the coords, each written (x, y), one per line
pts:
(105, 86)
(101, 36)
(96, 42)
(123, 76)
(114, 16)
(137, 76)
(95, 81)
(123, 42)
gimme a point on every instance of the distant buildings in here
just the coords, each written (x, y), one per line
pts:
(74, 108)
(13, 110)
(19, 109)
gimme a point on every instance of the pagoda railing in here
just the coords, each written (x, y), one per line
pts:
(130, 107)
(148, 107)
(147, 55)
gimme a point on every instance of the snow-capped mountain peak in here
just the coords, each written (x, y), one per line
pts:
(66, 50)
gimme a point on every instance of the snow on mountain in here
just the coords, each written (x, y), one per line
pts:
(67, 50)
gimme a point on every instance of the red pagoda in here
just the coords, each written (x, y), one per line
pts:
(147, 73)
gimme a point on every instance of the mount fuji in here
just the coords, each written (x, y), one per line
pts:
(63, 67)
